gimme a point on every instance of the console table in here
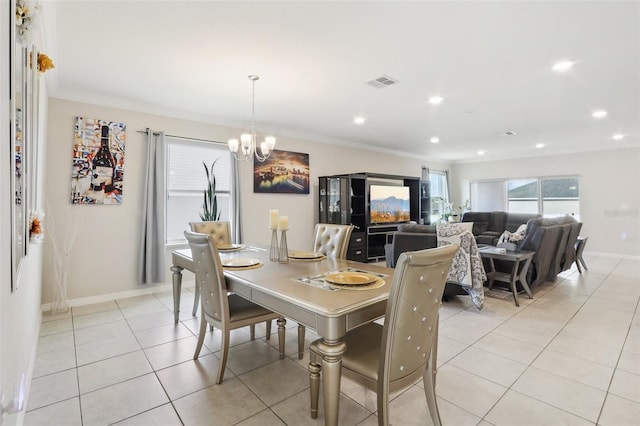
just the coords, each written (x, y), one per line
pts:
(520, 261)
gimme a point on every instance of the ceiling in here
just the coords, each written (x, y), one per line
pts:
(490, 61)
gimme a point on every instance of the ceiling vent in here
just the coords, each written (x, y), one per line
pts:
(508, 133)
(381, 82)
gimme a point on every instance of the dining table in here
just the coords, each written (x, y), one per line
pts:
(299, 290)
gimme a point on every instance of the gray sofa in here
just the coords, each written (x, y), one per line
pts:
(553, 240)
(488, 226)
(409, 237)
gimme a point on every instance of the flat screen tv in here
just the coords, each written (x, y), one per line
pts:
(389, 204)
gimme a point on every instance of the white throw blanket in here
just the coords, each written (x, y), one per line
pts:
(466, 267)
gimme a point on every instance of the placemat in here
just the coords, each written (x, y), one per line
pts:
(319, 282)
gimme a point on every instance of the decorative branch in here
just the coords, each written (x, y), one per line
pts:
(61, 257)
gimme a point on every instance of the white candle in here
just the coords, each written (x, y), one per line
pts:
(284, 222)
(273, 215)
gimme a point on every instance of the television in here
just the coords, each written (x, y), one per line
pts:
(389, 204)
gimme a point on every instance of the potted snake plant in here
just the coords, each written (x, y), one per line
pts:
(210, 210)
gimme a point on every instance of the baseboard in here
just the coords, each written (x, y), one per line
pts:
(605, 254)
(120, 295)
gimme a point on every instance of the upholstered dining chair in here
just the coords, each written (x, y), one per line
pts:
(393, 356)
(221, 232)
(332, 241)
(221, 309)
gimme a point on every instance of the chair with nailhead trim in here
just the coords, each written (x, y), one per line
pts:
(222, 235)
(221, 309)
(332, 241)
(394, 356)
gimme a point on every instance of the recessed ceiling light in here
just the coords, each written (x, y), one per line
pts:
(599, 114)
(359, 119)
(434, 140)
(436, 100)
(539, 145)
(562, 66)
(480, 152)
(617, 137)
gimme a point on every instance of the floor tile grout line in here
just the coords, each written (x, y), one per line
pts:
(547, 346)
(153, 370)
(618, 360)
(556, 287)
(75, 354)
(530, 365)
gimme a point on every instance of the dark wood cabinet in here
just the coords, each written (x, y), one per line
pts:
(346, 199)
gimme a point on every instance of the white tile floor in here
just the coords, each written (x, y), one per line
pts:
(569, 356)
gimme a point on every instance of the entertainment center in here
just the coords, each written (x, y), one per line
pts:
(375, 204)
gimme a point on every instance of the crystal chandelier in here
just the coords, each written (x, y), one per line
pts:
(248, 142)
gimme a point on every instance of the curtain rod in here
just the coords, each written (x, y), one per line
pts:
(146, 132)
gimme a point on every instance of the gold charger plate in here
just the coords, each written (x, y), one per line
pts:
(306, 255)
(240, 263)
(229, 247)
(379, 282)
(350, 278)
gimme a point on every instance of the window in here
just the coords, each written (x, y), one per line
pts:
(439, 193)
(186, 181)
(488, 196)
(561, 196)
(523, 195)
(549, 196)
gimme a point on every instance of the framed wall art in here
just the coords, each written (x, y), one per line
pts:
(284, 172)
(98, 161)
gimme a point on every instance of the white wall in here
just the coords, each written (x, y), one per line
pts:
(609, 192)
(20, 315)
(105, 251)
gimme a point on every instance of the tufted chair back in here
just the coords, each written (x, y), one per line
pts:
(220, 230)
(209, 276)
(332, 240)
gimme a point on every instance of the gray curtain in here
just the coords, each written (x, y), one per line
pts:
(236, 220)
(446, 173)
(152, 232)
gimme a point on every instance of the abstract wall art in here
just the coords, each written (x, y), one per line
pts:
(98, 162)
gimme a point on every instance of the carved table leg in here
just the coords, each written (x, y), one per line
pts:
(281, 330)
(331, 372)
(177, 288)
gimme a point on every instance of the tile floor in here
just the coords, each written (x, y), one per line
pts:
(570, 356)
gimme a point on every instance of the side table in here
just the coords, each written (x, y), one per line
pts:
(520, 260)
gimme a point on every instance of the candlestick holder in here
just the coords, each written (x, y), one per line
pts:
(273, 252)
(284, 251)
